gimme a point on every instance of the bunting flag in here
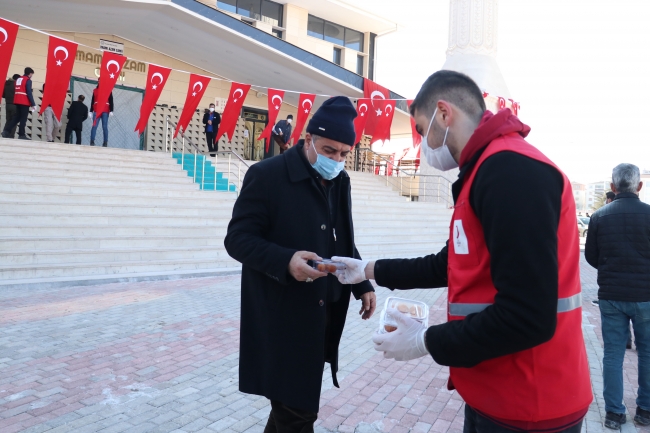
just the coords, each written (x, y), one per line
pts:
(275, 103)
(375, 93)
(60, 60)
(417, 157)
(156, 80)
(305, 103)
(502, 103)
(405, 152)
(417, 138)
(514, 107)
(230, 114)
(196, 88)
(8, 33)
(383, 115)
(110, 71)
(361, 119)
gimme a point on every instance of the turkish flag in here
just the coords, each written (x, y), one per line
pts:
(404, 153)
(230, 114)
(196, 88)
(60, 60)
(362, 118)
(417, 138)
(156, 80)
(275, 103)
(514, 107)
(375, 93)
(305, 104)
(383, 115)
(8, 33)
(111, 67)
(417, 158)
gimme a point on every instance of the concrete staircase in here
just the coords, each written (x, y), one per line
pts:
(80, 214)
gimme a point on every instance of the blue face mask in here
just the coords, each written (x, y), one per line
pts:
(328, 168)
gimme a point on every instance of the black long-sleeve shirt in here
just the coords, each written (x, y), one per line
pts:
(517, 201)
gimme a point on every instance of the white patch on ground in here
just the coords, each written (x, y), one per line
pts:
(137, 390)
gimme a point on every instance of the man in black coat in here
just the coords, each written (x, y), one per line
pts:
(618, 245)
(292, 209)
(211, 120)
(281, 133)
(77, 113)
(10, 108)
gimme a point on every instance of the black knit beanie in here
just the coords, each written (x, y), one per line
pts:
(335, 120)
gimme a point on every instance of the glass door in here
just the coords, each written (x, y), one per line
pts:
(254, 123)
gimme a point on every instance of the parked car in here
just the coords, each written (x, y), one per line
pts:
(582, 227)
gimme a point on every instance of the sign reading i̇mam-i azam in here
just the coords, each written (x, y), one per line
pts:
(115, 47)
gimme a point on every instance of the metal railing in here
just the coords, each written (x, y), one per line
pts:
(232, 164)
(408, 182)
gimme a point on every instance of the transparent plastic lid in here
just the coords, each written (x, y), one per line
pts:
(327, 265)
(416, 309)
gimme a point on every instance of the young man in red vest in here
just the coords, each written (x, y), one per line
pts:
(102, 113)
(23, 100)
(513, 340)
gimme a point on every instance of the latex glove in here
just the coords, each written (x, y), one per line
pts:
(405, 343)
(90, 114)
(111, 114)
(32, 109)
(355, 272)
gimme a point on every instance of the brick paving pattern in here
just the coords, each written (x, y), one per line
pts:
(163, 357)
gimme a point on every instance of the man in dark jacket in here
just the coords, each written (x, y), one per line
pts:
(514, 303)
(211, 120)
(24, 102)
(77, 113)
(103, 113)
(293, 209)
(281, 133)
(618, 245)
(10, 107)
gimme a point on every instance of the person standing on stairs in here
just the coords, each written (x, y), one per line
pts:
(10, 107)
(211, 120)
(103, 113)
(77, 114)
(24, 102)
(281, 133)
(51, 123)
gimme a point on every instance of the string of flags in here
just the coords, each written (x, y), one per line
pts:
(375, 111)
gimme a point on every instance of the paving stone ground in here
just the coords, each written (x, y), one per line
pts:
(163, 357)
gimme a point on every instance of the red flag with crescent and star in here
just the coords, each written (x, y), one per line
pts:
(375, 93)
(230, 114)
(156, 80)
(8, 33)
(275, 103)
(110, 71)
(305, 104)
(363, 105)
(417, 138)
(195, 89)
(417, 157)
(383, 115)
(60, 60)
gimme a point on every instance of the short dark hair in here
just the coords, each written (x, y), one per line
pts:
(211, 103)
(81, 98)
(610, 195)
(28, 70)
(290, 116)
(454, 87)
(15, 77)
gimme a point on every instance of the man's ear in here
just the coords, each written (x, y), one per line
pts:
(613, 188)
(640, 186)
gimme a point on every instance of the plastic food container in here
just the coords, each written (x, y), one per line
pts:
(416, 309)
(327, 265)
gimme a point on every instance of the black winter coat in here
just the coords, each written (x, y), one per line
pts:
(216, 120)
(285, 340)
(77, 114)
(618, 245)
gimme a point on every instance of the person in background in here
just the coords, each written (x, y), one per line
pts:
(24, 101)
(77, 114)
(609, 197)
(211, 120)
(281, 133)
(618, 246)
(51, 123)
(10, 107)
(102, 113)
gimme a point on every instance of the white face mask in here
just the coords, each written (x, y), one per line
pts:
(211, 109)
(289, 121)
(441, 157)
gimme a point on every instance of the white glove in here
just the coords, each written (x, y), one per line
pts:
(32, 109)
(355, 272)
(110, 114)
(90, 114)
(405, 343)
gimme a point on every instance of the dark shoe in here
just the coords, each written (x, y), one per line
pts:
(105, 144)
(4, 135)
(614, 420)
(628, 345)
(23, 137)
(92, 142)
(642, 417)
(595, 302)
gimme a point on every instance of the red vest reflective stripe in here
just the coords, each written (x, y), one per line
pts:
(107, 107)
(550, 380)
(20, 98)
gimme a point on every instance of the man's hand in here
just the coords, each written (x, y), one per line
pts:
(300, 270)
(209, 122)
(355, 272)
(369, 305)
(110, 114)
(405, 343)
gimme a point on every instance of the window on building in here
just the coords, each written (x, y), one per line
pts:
(354, 39)
(337, 56)
(315, 27)
(359, 64)
(334, 33)
(277, 34)
(262, 10)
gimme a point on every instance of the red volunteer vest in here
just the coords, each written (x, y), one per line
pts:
(107, 107)
(20, 97)
(550, 380)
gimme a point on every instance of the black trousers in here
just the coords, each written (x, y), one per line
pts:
(10, 112)
(212, 145)
(476, 423)
(284, 419)
(20, 118)
(68, 133)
